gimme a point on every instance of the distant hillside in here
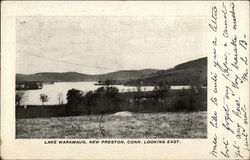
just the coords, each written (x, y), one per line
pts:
(192, 72)
(76, 77)
(127, 74)
(53, 77)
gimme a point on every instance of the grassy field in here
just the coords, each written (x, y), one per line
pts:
(121, 125)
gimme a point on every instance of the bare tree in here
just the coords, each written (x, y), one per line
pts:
(19, 97)
(138, 87)
(60, 98)
(44, 98)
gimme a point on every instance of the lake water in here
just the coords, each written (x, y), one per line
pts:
(32, 97)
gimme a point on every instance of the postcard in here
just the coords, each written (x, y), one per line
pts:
(125, 80)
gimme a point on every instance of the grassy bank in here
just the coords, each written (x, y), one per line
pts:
(132, 125)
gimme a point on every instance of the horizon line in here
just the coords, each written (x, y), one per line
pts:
(112, 71)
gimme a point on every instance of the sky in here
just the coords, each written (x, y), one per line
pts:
(97, 45)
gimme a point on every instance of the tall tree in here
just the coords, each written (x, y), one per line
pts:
(74, 98)
(89, 101)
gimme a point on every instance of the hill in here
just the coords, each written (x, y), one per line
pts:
(77, 77)
(127, 74)
(53, 77)
(192, 72)
(188, 73)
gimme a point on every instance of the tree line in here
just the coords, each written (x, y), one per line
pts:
(103, 100)
(107, 99)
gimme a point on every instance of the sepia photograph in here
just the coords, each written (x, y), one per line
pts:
(124, 80)
(111, 77)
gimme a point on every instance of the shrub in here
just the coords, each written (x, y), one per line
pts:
(44, 98)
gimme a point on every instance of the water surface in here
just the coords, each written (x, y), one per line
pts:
(32, 97)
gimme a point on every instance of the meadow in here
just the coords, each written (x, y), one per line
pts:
(117, 125)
